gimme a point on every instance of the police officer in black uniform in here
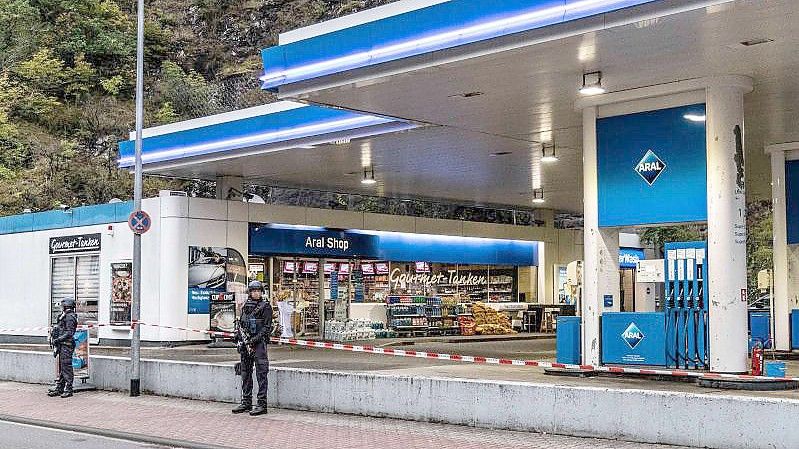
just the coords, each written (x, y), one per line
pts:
(65, 345)
(255, 327)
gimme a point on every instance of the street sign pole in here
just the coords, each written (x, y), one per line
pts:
(135, 307)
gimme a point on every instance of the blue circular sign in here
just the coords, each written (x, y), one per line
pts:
(139, 222)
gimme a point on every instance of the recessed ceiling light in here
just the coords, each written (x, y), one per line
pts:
(548, 153)
(538, 196)
(592, 84)
(756, 41)
(501, 153)
(695, 117)
(369, 176)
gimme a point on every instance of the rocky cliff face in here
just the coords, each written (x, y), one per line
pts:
(219, 38)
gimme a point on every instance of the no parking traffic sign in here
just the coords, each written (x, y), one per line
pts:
(139, 222)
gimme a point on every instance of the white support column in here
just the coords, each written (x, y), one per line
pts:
(600, 265)
(224, 184)
(782, 303)
(726, 205)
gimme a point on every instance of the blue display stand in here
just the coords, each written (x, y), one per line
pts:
(795, 329)
(568, 340)
(634, 338)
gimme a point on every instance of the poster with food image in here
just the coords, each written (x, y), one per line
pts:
(223, 316)
(121, 291)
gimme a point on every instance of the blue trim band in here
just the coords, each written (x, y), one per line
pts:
(56, 219)
(445, 25)
(303, 122)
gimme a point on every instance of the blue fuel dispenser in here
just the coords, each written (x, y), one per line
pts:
(686, 305)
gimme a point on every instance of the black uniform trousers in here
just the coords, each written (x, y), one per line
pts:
(66, 375)
(260, 361)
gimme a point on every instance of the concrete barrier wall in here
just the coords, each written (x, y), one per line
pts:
(703, 420)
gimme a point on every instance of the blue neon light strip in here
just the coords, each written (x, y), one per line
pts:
(445, 25)
(275, 239)
(56, 219)
(266, 129)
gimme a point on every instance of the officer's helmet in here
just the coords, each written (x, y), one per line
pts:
(68, 303)
(256, 285)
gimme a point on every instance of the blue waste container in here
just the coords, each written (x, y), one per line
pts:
(775, 369)
(568, 340)
(759, 330)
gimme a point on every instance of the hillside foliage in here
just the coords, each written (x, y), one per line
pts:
(67, 72)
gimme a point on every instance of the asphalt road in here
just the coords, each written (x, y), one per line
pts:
(23, 436)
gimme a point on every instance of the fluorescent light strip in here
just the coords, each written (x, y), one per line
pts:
(440, 41)
(167, 164)
(258, 139)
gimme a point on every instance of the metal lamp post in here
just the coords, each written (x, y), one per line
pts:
(135, 312)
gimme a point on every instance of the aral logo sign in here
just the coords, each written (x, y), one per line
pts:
(632, 336)
(650, 167)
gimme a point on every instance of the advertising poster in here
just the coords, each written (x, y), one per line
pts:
(223, 313)
(216, 275)
(357, 280)
(80, 359)
(334, 285)
(121, 291)
(562, 285)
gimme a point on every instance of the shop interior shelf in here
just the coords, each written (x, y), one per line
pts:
(406, 316)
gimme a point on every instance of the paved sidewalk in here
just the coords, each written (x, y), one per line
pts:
(211, 423)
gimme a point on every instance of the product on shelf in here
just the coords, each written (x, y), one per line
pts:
(467, 325)
(490, 322)
(350, 330)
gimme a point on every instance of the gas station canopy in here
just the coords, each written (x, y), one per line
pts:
(454, 99)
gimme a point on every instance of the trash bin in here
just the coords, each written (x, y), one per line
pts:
(775, 369)
(568, 340)
(759, 329)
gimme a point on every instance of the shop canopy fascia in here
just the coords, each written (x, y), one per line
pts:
(281, 239)
(263, 129)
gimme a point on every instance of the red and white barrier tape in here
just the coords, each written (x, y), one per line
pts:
(442, 356)
(512, 362)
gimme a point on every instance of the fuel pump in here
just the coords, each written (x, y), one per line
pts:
(686, 305)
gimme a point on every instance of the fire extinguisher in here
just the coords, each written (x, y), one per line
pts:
(757, 360)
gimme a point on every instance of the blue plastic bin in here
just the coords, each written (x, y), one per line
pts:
(568, 340)
(775, 369)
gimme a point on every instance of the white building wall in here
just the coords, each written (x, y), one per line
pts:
(177, 224)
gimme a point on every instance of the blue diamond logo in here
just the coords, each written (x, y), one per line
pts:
(650, 167)
(632, 336)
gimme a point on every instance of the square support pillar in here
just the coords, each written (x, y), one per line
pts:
(601, 257)
(784, 300)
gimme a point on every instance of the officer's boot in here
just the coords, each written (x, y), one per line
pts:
(67, 392)
(245, 406)
(55, 390)
(259, 409)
